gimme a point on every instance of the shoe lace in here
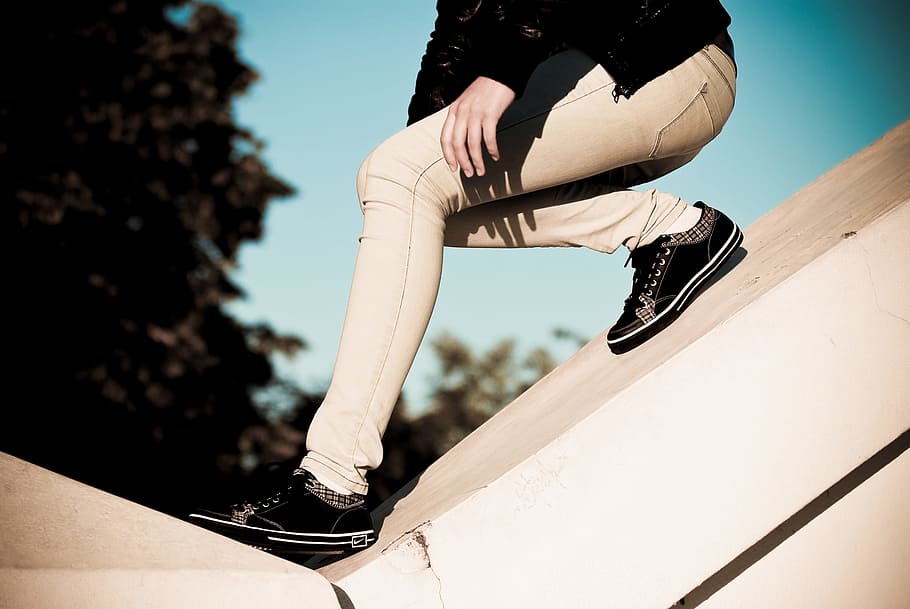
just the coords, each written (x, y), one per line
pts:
(649, 263)
(260, 503)
(270, 494)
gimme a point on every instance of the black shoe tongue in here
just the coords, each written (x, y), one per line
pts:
(644, 254)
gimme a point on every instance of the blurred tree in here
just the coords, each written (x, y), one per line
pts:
(469, 389)
(127, 190)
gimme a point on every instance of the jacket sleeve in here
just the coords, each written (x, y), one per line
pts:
(447, 66)
(503, 40)
(522, 33)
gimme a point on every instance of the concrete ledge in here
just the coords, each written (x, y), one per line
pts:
(67, 545)
(628, 481)
(160, 589)
(855, 554)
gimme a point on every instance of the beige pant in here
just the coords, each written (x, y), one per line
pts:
(565, 129)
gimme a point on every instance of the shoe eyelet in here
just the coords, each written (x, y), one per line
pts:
(649, 293)
(667, 251)
(654, 283)
(662, 262)
(657, 273)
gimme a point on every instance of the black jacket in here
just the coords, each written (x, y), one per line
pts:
(634, 40)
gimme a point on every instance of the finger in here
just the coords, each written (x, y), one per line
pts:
(489, 139)
(475, 134)
(459, 135)
(445, 140)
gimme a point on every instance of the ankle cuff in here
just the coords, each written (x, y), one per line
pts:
(330, 477)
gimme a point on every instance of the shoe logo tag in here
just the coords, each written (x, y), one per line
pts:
(359, 541)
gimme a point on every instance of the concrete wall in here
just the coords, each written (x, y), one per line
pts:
(68, 546)
(630, 481)
(856, 554)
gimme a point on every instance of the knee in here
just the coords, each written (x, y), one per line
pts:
(363, 175)
(386, 174)
(391, 175)
(382, 177)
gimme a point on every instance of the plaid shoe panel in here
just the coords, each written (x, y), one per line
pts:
(696, 234)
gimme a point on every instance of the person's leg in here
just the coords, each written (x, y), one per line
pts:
(565, 128)
(585, 213)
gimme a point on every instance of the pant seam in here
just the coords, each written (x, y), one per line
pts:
(663, 130)
(385, 359)
(720, 72)
(404, 283)
(371, 401)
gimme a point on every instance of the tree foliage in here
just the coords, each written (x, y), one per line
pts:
(468, 389)
(127, 190)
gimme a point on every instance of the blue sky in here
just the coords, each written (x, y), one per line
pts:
(817, 82)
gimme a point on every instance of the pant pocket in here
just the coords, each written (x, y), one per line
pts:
(688, 131)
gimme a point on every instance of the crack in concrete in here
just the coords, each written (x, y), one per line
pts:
(424, 545)
(410, 554)
(406, 536)
(875, 295)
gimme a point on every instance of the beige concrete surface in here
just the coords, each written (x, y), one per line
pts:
(855, 555)
(626, 481)
(66, 545)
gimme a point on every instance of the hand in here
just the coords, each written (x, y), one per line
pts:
(473, 118)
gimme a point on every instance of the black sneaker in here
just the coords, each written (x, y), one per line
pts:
(299, 517)
(668, 273)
